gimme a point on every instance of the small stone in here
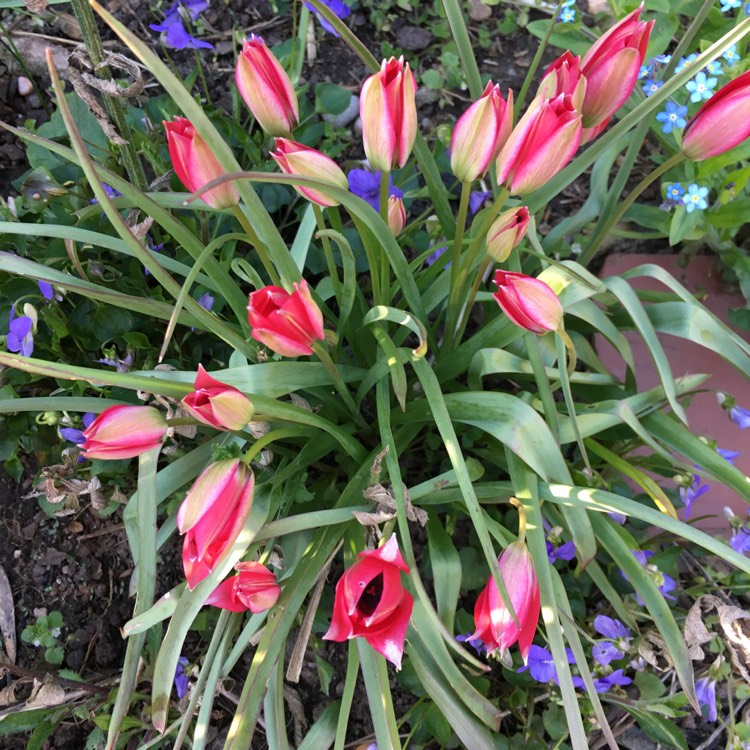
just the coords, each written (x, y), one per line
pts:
(25, 86)
(348, 115)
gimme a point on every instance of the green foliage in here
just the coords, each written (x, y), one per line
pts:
(45, 633)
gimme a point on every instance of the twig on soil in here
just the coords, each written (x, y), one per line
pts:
(36, 675)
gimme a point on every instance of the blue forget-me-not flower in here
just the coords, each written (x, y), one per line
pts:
(672, 117)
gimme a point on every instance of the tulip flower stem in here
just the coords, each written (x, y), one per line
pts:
(257, 244)
(328, 252)
(542, 382)
(628, 201)
(325, 358)
(385, 268)
(521, 518)
(464, 317)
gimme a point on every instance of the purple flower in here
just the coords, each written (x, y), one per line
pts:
(73, 435)
(366, 185)
(436, 254)
(46, 289)
(154, 249)
(181, 680)
(604, 652)
(740, 542)
(609, 627)
(206, 301)
(542, 668)
(603, 684)
(728, 455)
(121, 365)
(110, 191)
(176, 35)
(341, 10)
(20, 336)
(690, 494)
(740, 416)
(618, 517)
(565, 551)
(664, 583)
(705, 691)
(476, 643)
(477, 199)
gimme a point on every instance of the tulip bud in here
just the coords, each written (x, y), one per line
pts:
(611, 67)
(124, 432)
(387, 108)
(479, 134)
(254, 588)
(295, 159)
(588, 134)
(371, 602)
(564, 76)
(266, 88)
(288, 324)
(212, 516)
(541, 144)
(218, 404)
(195, 165)
(723, 121)
(494, 622)
(528, 302)
(506, 232)
(396, 215)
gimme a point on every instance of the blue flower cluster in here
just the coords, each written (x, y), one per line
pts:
(694, 197)
(567, 12)
(172, 28)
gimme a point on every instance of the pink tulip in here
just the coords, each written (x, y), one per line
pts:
(286, 323)
(541, 144)
(218, 404)
(124, 432)
(295, 159)
(212, 516)
(372, 603)
(396, 215)
(564, 76)
(506, 232)
(494, 623)
(388, 111)
(266, 88)
(588, 134)
(479, 134)
(723, 121)
(611, 67)
(195, 164)
(528, 302)
(254, 588)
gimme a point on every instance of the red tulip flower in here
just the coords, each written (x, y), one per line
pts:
(294, 158)
(212, 516)
(371, 602)
(266, 88)
(479, 134)
(611, 67)
(541, 144)
(286, 323)
(506, 232)
(388, 110)
(494, 623)
(253, 588)
(723, 121)
(564, 76)
(124, 432)
(195, 164)
(218, 404)
(528, 302)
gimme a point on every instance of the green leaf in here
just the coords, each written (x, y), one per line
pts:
(331, 99)
(323, 732)
(663, 731)
(649, 685)
(446, 570)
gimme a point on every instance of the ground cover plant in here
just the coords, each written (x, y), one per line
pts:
(367, 405)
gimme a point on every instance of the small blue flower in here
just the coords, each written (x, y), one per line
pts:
(684, 61)
(740, 416)
(476, 643)
(690, 494)
(619, 518)
(700, 87)
(729, 5)
(46, 289)
(610, 627)
(672, 117)
(542, 668)
(727, 454)
(477, 199)
(565, 551)
(121, 365)
(662, 59)
(674, 190)
(436, 254)
(731, 55)
(603, 684)
(567, 15)
(705, 691)
(341, 10)
(663, 582)
(695, 197)
(714, 68)
(175, 35)
(206, 301)
(605, 652)
(645, 71)
(366, 185)
(651, 86)
(181, 680)
(740, 542)
(73, 435)
(20, 336)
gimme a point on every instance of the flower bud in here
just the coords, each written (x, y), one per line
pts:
(479, 134)
(387, 108)
(254, 588)
(195, 164)
(564, 76)
(218, 404)
(124, 432)
(528, 302)
(266, 88)
(295, 159)
(506, 232)
(396, 215)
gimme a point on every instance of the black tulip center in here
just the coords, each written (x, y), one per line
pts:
(370, 598)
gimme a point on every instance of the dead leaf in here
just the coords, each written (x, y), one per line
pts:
(654, 651)
(735, 622)
(7, 617)
(45, 694)
(8, 695)
(373, 519)
(36, 6)
(478, 11)
(384, 500)
(696, 632)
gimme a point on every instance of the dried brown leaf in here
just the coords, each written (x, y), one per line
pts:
(696, 632)
(735, 622)
(8, 695)
(36, 6)
(45, 694)
(654, 651)
(7, 617)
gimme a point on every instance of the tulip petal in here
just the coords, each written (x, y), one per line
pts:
(389, 640)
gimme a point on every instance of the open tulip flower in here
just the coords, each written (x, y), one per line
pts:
(124, 432)
(212, 515)
(254, 588)
(218, 404)
(288, 324)
(530, 303)
(495, 626)
(372, 603)
(195, 164)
